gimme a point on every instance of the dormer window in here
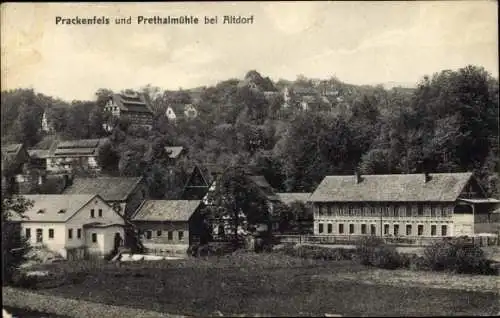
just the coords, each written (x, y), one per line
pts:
(62, 211)
(41, 211)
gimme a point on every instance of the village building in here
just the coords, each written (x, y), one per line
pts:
(168, 225)
(71, 156)
(181, 111)
(131, 106)
(175, 152)
(170, 114)
(14, 157)
(71, 225)
(411, 205)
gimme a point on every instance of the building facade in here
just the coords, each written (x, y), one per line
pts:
(168, 225)
(71, 225)
(131, 106)
(411, 205)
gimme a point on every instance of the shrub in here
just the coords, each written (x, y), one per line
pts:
(385, 256)
(365, 249)
(373, 251)
(458, 256)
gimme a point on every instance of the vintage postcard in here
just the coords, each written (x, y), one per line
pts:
(250, 159)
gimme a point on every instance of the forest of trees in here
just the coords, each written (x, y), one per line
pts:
(448, 123)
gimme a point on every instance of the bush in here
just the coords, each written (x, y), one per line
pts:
(196, 250)
(458, 256)
(373, 251)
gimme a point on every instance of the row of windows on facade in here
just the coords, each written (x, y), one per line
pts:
(170, 235)
(373, 229)
(39, 235)
(389, 211)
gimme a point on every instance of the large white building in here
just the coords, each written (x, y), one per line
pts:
(411, 205)
(71, 225)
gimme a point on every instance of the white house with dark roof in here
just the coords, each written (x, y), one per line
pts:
(168, 225)
(132, 106)
(412, 205)
(71, 225)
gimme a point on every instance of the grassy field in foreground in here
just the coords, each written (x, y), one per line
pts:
(268, 284)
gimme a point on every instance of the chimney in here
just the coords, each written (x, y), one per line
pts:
(358, 176)
(427, 177)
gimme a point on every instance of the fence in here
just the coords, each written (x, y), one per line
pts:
(399, 241)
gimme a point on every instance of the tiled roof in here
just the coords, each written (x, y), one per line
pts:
(47, 207)
(444, 187)
(166, 210)
(131, 103)
(290, 197)
(109, 188)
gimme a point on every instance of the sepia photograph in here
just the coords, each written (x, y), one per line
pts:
(250, 159)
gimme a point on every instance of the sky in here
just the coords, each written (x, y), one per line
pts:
(357, 42)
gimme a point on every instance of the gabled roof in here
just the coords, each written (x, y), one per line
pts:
(166, 210)
(131, 102)
(444, 187)
(174, 152)
(47, 207)
(290, 197)
(109, 188)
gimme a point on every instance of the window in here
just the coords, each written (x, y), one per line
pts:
(396, 229)
(170, 235)
(28, 233)
(433, 230)
(320, 228)
(408, 229)
(39, 235)
(100, 213)
(341, 228)
(351, 228)
(363, 228)
(330, 228)
(420, 230)
(92, 213)
(386, 229)
(94, 237)
(373, 229)
(181, 235)
(420, 210)
(51, 233)
(158, 233)
(444, 230)
(149, 234)
(70, 233)
(79, 233)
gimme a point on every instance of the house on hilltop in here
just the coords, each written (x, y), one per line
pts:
(411, 205)
(131, 106)
(71, 225)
